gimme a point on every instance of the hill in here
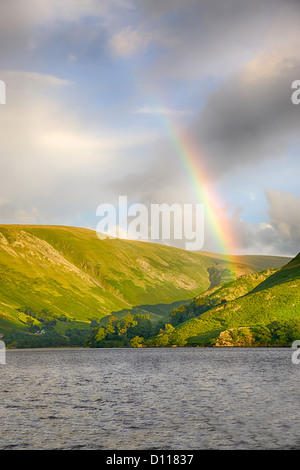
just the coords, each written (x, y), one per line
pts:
(66, 277)
(260, 309)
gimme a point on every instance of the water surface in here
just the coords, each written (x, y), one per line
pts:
(193, 398)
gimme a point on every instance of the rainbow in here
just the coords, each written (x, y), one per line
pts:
(188, 157)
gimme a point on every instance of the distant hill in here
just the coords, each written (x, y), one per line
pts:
(66, 277)
(259, 309)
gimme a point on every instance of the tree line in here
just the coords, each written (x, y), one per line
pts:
(131, 330)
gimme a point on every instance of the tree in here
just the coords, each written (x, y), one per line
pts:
(93, 324)
(124, 324)
(100, 334)
(142, 326)
(137, 342)
(162, 338)
(110, 328)
(168, 328)
(262, 335)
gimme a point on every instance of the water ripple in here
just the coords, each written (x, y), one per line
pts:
(150, 399)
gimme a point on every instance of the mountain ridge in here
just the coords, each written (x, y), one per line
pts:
(77, 277)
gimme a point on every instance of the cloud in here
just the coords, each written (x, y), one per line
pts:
(128, 41)
(51, 159)
(20, 22)
(285, 215)
(212, 38)
(250, 116)
(160, 111)
(31, 80)
(9, 213)
(279, 234)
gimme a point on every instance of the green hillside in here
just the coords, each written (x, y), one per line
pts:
(60, 278)
(256, 310)
(218, 295)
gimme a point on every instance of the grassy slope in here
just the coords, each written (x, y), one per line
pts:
(256, 299)
(244, 264)
(70, 271)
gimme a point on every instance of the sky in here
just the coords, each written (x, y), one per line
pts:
(106, 98)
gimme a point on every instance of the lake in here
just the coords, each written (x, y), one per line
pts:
(173, 398)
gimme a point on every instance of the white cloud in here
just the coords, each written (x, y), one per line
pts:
(128, 41)
(27, 81)
(27, 217)
(131, 40)
(50, 157)
(160, 111)
(279, 234)
(285, 215)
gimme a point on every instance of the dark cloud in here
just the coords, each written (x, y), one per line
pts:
(250, 117)
(212, 37)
